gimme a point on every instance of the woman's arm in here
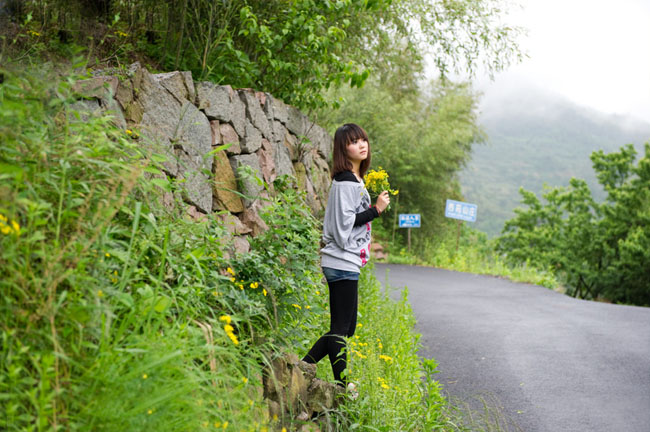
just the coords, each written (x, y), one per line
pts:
(366, 216)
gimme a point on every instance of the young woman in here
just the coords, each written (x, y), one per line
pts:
(346, 233)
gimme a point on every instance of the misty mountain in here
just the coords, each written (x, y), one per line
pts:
(536, 138)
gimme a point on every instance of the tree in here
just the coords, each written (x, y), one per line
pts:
(294, 49)
(600, 250)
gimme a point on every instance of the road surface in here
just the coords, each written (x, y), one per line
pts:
(543, 361)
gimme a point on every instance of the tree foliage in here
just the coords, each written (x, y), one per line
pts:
(602, 250)
(292, 48)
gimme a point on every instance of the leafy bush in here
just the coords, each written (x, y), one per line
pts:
(599, 250)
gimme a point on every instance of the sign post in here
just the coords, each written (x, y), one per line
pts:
(409, 221)
(460, 211)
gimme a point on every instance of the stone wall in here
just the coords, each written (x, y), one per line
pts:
(185, 120)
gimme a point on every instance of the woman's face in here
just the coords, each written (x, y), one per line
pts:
(358, 150)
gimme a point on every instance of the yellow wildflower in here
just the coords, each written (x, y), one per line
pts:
(232, 279)
(254, 285)
(228, 328)
(241, 287)
(145, 376)
(317, 292)
(296, 306)
(307, 307)
(100, 293)
(107, 255)
(244, 380)
(231, 271)
(233, 338)
(377, 181)
(359, 325)
(129, 131)
(150, 412)
(386, 358)
(264, 292)
(384, 385)
(225, 425)
(225, 318)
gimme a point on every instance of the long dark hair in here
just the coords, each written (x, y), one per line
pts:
(347, 134)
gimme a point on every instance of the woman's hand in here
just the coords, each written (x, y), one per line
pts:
(382, 201)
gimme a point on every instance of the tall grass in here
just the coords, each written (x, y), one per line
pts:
(111, 306)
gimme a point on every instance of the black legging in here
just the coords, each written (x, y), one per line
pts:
(343, 321)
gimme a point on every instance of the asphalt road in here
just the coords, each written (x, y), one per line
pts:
(541, 360)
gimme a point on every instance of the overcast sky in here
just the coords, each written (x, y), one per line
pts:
(594, 52)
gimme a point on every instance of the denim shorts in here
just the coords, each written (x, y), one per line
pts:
(333, 275)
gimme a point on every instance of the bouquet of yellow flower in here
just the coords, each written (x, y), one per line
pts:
(377, 182)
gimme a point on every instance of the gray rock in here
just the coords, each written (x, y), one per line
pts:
(214, 101)
(320, 140)
(250, 187)
(278, 109)
(196, 186)
(297, 122)
(193, 132)
(282, 159)
(278, 130)
(176, 84)
(160, 118)
(255, 114)
(194, 137)
(267, 106)
(222, 103)
(252, 139)
(189, 85)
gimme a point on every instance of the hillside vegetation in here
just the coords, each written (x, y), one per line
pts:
(535, 139)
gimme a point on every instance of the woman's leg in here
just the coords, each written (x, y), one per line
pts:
(343, 318)
(343, 315)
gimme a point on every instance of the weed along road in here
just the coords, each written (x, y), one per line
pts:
(537, 358)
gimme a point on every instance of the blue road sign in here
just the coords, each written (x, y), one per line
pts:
(409, 220)
(461, 210)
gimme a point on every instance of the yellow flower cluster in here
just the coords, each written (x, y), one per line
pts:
(230, 330)
(132, 134)
(7, 227)
(377, 182)
(240, 284)
(382, 382)
(386, 358)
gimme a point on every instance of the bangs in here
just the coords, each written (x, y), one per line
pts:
(351, 132)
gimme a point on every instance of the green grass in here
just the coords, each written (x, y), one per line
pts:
(472, 252)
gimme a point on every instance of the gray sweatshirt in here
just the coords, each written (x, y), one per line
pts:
(346, 228)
